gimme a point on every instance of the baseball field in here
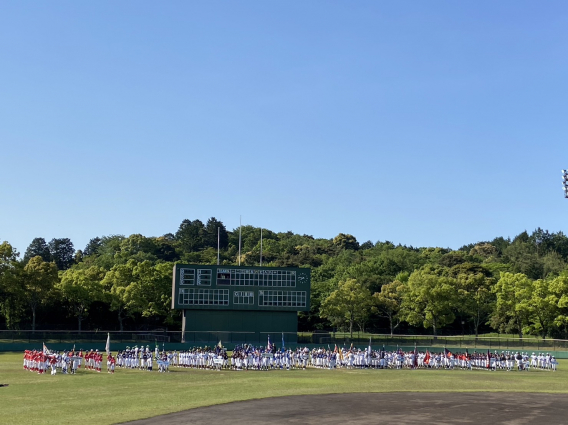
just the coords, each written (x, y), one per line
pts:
(129, 395)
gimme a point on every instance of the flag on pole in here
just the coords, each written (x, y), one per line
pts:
(269, 346)
(488, 359)
(427, 358)
(283, 341)
(45, 350)
(108, 344)
(369, 350)
(415, 362)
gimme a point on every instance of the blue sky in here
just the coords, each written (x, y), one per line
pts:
(434, 123)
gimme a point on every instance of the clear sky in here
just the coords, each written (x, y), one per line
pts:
(427, 123)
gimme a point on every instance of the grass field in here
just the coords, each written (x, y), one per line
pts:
(131, 394)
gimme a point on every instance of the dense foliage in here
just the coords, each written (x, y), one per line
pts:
(119, 282)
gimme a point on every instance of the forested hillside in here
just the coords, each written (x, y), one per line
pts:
(118, 282)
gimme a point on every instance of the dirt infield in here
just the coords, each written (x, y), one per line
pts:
(381, 408)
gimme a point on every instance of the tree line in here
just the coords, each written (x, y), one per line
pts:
(508, 285)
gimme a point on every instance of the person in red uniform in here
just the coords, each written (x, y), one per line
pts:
(111, 362)
(41, 362)
(53, 363)
(98, 361)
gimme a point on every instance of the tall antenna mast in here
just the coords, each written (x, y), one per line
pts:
(218, 243)
(565, 182)
(240, 225)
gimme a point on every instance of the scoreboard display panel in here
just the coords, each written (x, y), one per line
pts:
(240, 288)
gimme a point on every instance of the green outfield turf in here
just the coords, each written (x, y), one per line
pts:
(130, 394)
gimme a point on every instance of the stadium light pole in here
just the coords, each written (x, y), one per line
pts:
(565, 182)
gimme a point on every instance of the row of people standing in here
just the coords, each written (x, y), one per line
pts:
(248, 357)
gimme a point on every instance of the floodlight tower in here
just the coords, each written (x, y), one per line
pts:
(565, 182)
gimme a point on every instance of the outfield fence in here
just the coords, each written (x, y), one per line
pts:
(491, 343)
(144, 337)
(160, 337)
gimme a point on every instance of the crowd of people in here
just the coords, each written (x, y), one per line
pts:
(70, 361)
(249, 357)
(65, 361)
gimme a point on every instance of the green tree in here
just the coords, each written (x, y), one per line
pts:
(542, 241)
(388, 301)
(38, 246)
(210, 234)
(117, 286)
(452, 259)
(40, 278)
(110, 245)
(511, 309)
(92, 247)
(484, 250)
(343, 241)
(108, 251)
(475, 298)
(542, 306)
(151, 292)
(559, 244)
(553, 264)
(191, 235)
(350, 303)
(250, 238)
(12, 300)
(432, 256)
(524, 259)
(429, 300)
(80, 288)
(137, 247)
(501, 244)
(165, 249)
(62, 252)
(559, 286)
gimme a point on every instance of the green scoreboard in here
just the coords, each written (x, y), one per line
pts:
(240, 300)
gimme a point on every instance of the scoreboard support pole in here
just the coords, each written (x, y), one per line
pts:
(183, 326)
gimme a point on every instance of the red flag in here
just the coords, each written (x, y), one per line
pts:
(427, 358)
(488, 359)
